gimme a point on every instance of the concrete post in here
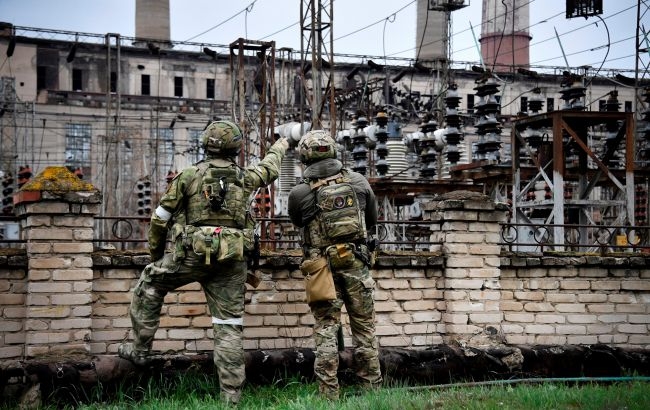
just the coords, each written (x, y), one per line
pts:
(469, 237)
(57, 210)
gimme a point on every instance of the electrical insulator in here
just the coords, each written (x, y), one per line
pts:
(488, 126)
(611, 127)
(640, 205)
(428, 151)
(453, 135)
(573, 92)
(381, 132)
(7, 194)
(568, 191)
(534, 134)
(644, 132)
(143, 192)
(262, 205)
(359, 148)
(24, 175)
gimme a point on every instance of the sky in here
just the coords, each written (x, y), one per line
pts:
(361, 27)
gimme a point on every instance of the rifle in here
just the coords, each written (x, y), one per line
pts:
(254, 263)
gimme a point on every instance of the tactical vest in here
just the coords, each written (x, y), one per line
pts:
(216, 196)
(339, 218)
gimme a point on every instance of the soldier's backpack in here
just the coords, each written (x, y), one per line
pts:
(340, 218)
(220, 196)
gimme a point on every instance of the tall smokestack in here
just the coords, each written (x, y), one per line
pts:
(152, 23)
(505, 41)
(431, 34)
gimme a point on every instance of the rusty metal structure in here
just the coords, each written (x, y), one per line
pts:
(576, 176)
(317, 59)
(255, 118)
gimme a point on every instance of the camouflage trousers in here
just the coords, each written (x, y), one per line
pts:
(224, 288)
(354, 288)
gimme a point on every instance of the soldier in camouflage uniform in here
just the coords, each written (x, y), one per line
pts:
(353, 282)
(206, 210)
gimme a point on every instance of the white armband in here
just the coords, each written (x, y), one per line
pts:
(163, 214)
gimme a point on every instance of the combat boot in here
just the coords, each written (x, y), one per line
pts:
(129, 352)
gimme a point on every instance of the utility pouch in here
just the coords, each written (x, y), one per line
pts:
(319, 283)
(223, 244)
(340, 256)
(231, 245)
(205, 241)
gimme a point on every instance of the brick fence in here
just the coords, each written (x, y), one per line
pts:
(59, 296)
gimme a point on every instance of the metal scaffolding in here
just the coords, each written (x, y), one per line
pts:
(256, 117)
(316, 23)
(584, 174)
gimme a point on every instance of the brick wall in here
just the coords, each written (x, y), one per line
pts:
(58, 297)
(576, 300)
(583, 301)
(408, 307)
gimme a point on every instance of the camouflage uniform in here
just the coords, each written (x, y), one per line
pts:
(354, 286)
(223, 282)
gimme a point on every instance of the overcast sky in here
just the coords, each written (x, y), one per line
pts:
(363, 27)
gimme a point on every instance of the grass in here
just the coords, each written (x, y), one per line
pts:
(199, 391)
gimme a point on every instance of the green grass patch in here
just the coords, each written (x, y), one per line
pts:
(200, 391)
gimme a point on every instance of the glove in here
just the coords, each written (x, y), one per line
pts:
(284, 142)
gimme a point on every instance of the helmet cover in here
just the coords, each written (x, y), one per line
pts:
(222, 137)
(315, 146)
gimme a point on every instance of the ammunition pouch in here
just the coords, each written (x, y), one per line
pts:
(218, 243)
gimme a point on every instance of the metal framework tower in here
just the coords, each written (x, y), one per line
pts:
(255, 118)
(316, 24)
(642, 63)
(555, 193)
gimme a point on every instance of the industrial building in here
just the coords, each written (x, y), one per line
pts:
(562, 146)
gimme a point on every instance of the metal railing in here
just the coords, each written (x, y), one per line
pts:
(121, 232)
(130, 233)
(584, 239)
(280, 233)
(275, 234)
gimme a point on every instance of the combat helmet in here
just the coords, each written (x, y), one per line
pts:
(315, 146)
(222, 138)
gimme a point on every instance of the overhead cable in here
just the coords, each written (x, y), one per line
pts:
(247, 9)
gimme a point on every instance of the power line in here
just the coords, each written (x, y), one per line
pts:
(541, 41)
(375, 23)
(566, 33)
(247, 9)
(281, 30)
(589, 50)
